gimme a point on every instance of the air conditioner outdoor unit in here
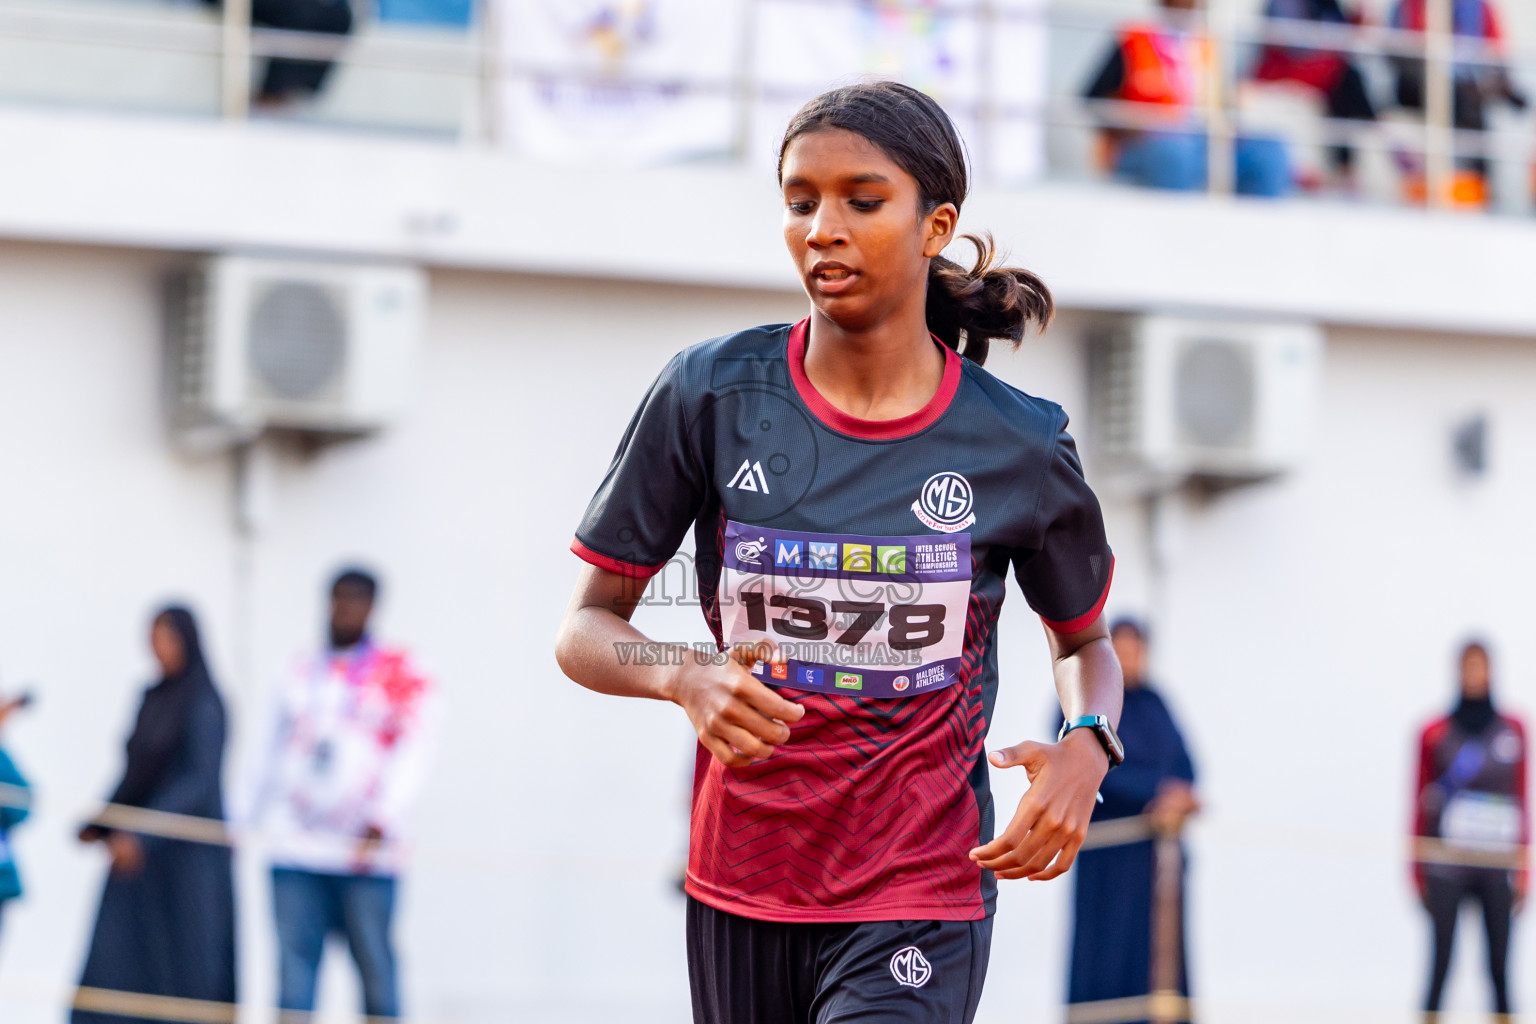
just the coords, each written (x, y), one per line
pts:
(325, 348)
(1221, 400)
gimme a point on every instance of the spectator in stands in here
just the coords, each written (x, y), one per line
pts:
(349, 754)
(287, 80)
(1113, 954)
(167, 921)
(1334, 75)
(15, 801)
(1164, 68)
(1472, 806)
(1475, 85)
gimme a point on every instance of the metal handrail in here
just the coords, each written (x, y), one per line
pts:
(475, 56)
(157, 31)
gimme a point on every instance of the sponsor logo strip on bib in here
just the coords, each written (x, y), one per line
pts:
(867, 615)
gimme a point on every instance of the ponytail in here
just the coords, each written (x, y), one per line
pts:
(985, 302)
(969, 307)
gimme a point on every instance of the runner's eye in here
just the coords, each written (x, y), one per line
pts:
(801, 206)
(867, 205)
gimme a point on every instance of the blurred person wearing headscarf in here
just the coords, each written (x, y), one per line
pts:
(166, 926)
(1471, 806)
(15, 804)
(350, 748)
(1112, 935)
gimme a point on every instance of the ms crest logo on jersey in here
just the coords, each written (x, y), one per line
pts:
(945, 503)
(909, 967)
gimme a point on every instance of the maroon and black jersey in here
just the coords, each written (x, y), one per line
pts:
(875, 554)
(1471, 790)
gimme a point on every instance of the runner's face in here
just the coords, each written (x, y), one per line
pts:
(854, 225)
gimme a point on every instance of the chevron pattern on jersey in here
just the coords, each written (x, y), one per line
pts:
(868, 810)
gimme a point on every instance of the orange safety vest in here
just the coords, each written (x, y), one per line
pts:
(1158, 67)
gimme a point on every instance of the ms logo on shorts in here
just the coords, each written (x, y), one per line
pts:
(910, 967)
(945, 503)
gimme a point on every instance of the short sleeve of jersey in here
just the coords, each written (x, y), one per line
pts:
(1066, 569)
(653, 489)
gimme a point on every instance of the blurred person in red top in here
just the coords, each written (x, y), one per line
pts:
(1476, 85)
(1472, 814)
(1163, 65)
(1330, 73)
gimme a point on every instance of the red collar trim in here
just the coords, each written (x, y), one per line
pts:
(875, 430)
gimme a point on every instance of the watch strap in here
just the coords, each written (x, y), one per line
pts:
(1102, 731)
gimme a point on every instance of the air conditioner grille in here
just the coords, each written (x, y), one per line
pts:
(190, 351)
(1214, 394)
(1115, 383)
(298, 339)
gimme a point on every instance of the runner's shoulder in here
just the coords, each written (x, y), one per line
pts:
(753, 355)
(1020, 413)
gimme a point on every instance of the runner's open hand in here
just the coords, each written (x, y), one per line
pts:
(1052, 819)
(739, 719)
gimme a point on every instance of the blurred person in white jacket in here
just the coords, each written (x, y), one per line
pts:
(354, 729)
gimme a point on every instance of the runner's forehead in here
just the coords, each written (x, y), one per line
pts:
(836, 156)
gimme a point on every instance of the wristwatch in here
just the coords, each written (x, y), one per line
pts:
(1103, 730)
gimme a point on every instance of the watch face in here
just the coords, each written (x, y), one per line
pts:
(1112, 745)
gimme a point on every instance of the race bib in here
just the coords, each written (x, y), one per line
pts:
(1481, 821)
(870, 616)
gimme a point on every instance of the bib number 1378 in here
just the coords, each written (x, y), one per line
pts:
(912, 626)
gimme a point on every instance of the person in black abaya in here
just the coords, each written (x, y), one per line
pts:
(166, 926)
(1113, 954)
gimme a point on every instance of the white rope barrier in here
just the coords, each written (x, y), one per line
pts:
(1170, 1006)
(164, 1008)
(1101, 835)
(1162, 1006)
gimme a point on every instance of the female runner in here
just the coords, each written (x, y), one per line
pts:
(858, 487)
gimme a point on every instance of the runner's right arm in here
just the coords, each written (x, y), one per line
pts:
(738, 718)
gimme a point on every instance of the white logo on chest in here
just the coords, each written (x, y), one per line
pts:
(750, 478)
(945, 503)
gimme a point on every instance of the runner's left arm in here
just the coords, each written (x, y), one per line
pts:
(1051, 822)
(1064, 568)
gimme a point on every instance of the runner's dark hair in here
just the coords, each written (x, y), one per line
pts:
(966, 306)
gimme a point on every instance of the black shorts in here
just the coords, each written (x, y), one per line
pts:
(743, 971)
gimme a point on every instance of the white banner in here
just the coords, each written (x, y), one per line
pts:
(807, 47)
(635, 81)
(951, 49)
(654, 81)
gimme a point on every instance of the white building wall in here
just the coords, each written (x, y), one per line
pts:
(1308, 630)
